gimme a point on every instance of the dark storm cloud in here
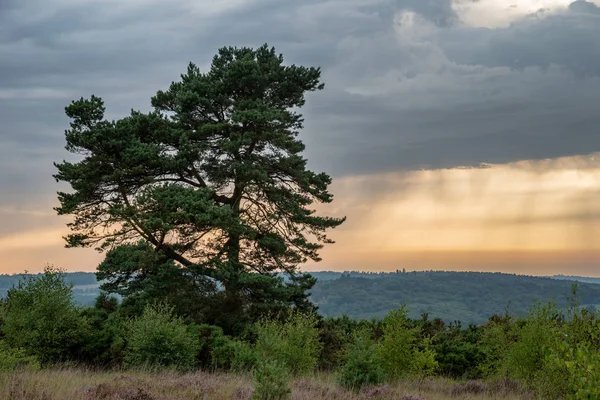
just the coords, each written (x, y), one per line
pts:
(408, 83)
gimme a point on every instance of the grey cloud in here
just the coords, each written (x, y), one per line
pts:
(566, 39)
(583, 6)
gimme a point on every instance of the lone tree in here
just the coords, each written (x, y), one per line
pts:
(206, 198)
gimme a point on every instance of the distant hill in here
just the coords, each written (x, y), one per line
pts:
(469, 297)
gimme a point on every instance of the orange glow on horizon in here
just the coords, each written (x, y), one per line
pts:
(530, 217)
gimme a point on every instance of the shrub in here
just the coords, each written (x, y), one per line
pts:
(100, 346)
(219, 351)
(529, 359)
(424, 360)
(159, 339)
(402, 351)
(41, 317)
(363, 366)
(498, 336)
(293, 343)
(243, 356)
(336, 335)
(12, 359)
(583, 366)
(459, 351)
(271, 381)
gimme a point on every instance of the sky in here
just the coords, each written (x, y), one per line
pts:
(460, 134)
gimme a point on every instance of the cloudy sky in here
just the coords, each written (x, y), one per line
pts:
(461, 134)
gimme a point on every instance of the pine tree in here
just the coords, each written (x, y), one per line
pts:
(212, 181)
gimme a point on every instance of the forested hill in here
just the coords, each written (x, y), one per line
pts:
(469, 297)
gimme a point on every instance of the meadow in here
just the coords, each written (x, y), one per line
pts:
(82, 384)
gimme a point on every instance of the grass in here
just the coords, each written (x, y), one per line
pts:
(91, 385)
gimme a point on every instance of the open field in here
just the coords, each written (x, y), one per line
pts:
(90, 385)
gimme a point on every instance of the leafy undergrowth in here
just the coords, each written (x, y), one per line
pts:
(89, 385)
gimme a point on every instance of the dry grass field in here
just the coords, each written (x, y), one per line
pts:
(75, 384)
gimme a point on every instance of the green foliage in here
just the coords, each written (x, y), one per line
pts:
(402, 350)
(271, 381)
(582, 363)
(243, 356)
(41, 318)
(209, 190)
(498, 335)
(578, 353)
(458, 351)
(424, 362)
(101, 343)
(293, 343)
(363, 366)
(529, 358)
(159, 339)
(12, 359)
(224, 352)
(335, 334)
(162, 280)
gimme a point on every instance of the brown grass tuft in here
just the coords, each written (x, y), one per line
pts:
(471, 387)
(19, 389)
(109, 392)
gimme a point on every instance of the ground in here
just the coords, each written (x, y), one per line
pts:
(75, 384)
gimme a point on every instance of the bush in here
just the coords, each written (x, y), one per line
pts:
(529, 359)
(498, 336)
(271, 381)
(243, 356)
(424, 360)
(363, 366)
(583, 366)
(402, 351)
(336, 335)
(12, 359)
(219, 351)
(101, 344)
(41, 317)
(159, 339)
(293, 343)
(459, 351)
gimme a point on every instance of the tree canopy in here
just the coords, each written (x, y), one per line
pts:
(211, 181)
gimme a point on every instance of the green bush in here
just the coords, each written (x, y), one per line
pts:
(458, 352)
(424, 360)
(293, 343)
(271, 381)
(529, 358)
(583, 366)
(219, 351)
(336, 334)
(101, 344)
(12, 359)
(402, 350)
(243, 356)
(159, 339)
(498, 336)
(42, 319)
(363, 367)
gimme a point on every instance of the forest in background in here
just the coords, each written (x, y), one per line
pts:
(468, 297)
